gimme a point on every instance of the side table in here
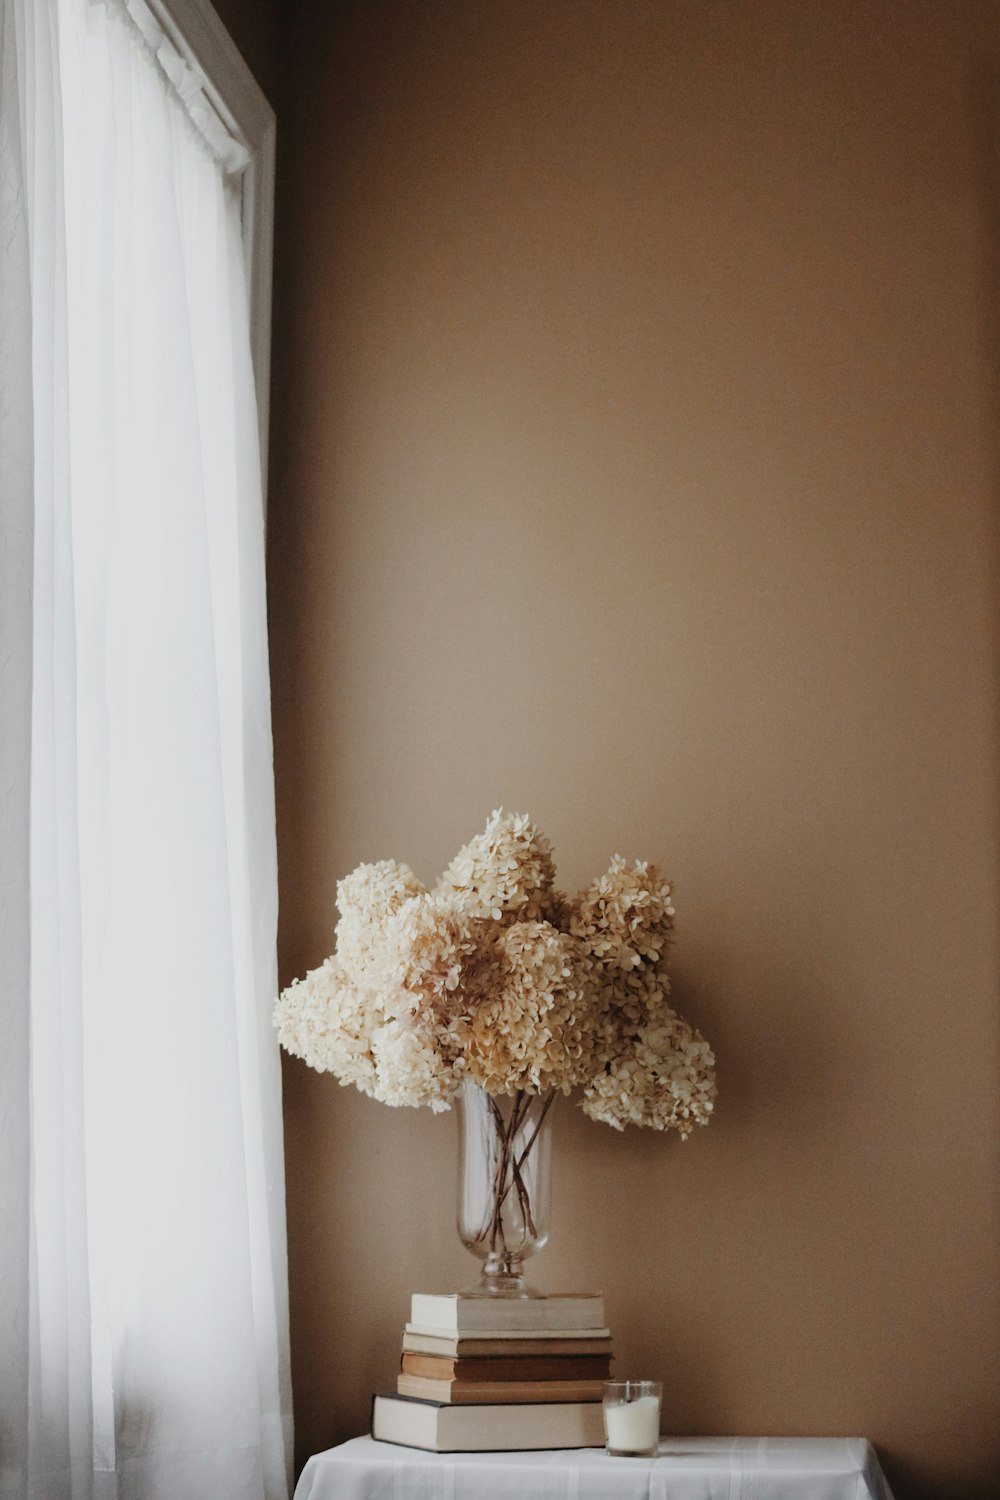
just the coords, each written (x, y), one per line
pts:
(684, 1469)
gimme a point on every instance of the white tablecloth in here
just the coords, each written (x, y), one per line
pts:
(685, 1469)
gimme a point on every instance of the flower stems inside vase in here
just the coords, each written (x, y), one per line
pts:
(504, 1184)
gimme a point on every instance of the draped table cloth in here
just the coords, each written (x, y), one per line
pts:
(684, 1469)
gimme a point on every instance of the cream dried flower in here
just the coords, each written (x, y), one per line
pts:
(326, 1020)
(431, 967)
(530, 1030)
(411, 1069)
(506, 873)
(367, 898)
(626, 918)
(433, 962)
(623, 923)
(496, 978)
(663, 1079)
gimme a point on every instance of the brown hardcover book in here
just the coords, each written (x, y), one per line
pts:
(486, 1429)
(493, 1346)
(500, 1393)
(530, 1367)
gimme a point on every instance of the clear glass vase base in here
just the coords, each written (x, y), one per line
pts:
(503, 1280)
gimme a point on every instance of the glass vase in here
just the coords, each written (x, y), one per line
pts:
(504, 1184)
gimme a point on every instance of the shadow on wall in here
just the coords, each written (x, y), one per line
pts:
(986, 126)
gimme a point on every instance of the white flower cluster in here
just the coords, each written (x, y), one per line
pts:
(505, 873)
(495, 978)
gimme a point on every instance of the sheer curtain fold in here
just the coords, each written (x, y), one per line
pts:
(142, 1281)
(16, 532)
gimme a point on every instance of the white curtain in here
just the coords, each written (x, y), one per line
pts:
(143, 1304)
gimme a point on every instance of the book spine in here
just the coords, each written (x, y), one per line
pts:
(519, 1368)
(500, 1346)
(513, 1335)
(506, 1393)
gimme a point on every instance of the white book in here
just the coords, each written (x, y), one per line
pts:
(486, 1429)
(453, 1313)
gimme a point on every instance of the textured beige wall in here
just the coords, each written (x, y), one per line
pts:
(636, 466)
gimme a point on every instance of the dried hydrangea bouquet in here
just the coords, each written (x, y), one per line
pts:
(494, 989)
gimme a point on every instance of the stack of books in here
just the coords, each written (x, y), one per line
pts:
(481, 1374)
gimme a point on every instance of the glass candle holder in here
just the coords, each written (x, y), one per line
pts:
(632, 1417)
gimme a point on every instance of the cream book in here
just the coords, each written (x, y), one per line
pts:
(507, 1342)
(453, 1313)
(488, 1428)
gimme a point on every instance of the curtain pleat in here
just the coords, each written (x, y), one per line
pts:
(16, 550)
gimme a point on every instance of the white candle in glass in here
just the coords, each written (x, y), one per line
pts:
(633, 1426)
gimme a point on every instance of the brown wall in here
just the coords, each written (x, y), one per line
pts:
(636, 466)
(253, 26)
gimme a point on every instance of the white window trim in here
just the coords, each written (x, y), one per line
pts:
(203, 41)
